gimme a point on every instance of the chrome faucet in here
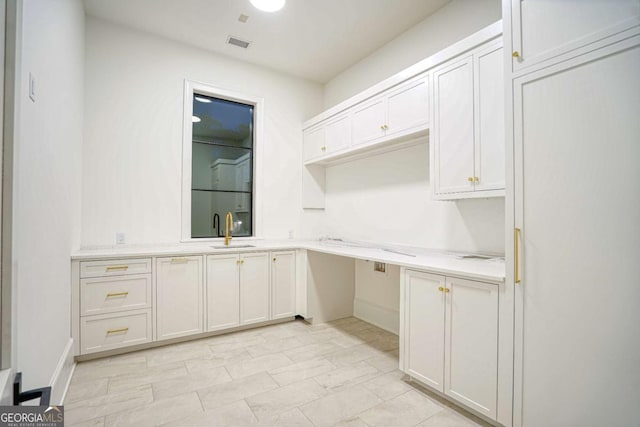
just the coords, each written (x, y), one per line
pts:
(228, 225)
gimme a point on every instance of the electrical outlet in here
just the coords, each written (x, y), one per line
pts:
(380, 267)
(120, 238)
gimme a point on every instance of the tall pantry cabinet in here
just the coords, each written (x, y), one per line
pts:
(573, 203)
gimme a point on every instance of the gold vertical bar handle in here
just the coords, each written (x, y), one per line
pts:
(115, 331)
(516, 240)
(117, 267)
(117, 294)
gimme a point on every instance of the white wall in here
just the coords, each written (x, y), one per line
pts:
(47, 187)
(133, 134)
(387, 199)
(454, 21)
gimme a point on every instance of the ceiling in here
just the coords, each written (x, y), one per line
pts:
(312, 39)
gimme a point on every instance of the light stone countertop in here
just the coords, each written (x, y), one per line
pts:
(435, 261)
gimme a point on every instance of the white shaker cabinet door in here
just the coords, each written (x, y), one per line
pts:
(424, 327)
(313, 143)
(254, 288)
(489, 137)
(368, 121)
(545, 29)
(453, 131)
(408, 107)
(471, 344)
(223, 291)
(283, 284)
(337, 134)
(179, 294)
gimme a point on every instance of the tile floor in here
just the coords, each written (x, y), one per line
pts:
(342, 373)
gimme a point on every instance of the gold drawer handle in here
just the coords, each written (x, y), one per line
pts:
(447, 290)
(116, 331)
(118, 268)
(117, 294)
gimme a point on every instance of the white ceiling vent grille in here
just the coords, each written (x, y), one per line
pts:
(237, 42)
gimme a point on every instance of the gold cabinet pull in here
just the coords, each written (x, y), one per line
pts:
(274, 260)
(476, 179)
(116, 331)
(440, 288)
(447, 290)
(117, 268)
(179, 260)
(323, 148)
(516, 250)
(470, 179)
(515, 54)
(117, 294)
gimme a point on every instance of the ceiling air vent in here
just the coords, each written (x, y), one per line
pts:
(237, 42)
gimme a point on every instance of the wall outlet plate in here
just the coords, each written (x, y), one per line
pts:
(380, 267)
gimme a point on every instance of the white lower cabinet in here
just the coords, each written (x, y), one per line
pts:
(223, 291)
(179, 296)
(237, 290)
(283, 284)
(111, 331)
(254, 288)
(450, 337)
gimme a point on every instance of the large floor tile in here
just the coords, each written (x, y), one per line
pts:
(335, 407)
(105, 368)
(346, 376)
(178, 353)
(96, 422)
(311, 351)
(156, 413)
(86, 390)
(218, 359)
(276, 345)
(408, 409)
(190, 382)
(253, 366)
(96, 407)
(227, 393)
(388, 386)
(271, 403)
(301, 371)
(449, 418)
(133, 380)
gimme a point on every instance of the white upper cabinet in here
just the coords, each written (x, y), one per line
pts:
(368, 121)
(489, 134)
(179, 295)
(543, 30)
(313, 143)
(452, 131)
(467, 132)
(407, 107)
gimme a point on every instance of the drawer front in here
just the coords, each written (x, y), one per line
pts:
(107, 332)
(115, 267)
(100, 295)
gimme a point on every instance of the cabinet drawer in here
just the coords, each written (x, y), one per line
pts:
(115, 267)
(101, 295)
(106, 332)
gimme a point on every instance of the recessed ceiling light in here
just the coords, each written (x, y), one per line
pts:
(203, 100)
(195, 119)
(268, 5)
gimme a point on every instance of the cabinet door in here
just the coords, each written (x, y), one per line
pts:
(408, 107)
(453, 127)
(424, 328)
(313, 141)
(471, 344)
(567, 25)
(283, 284)
(368, 121)
(489, 132)
(223, 291)
(337, 134)
(179, 296)
(254, 288)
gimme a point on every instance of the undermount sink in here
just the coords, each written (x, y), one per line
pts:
(233, 247)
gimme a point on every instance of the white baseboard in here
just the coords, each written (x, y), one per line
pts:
(62, 375)
(382, 317)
